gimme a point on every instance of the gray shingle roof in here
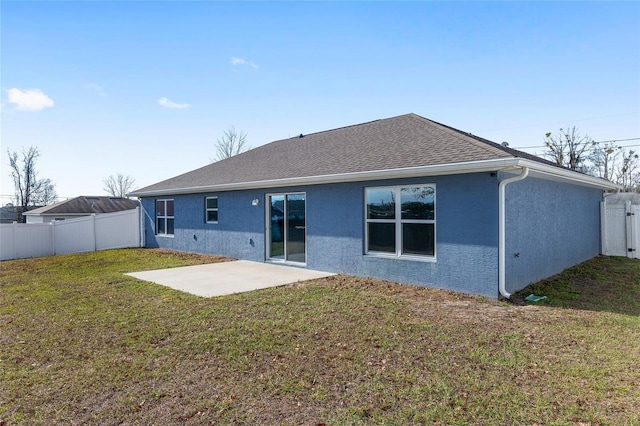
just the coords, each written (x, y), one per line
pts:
(87, 205)
(398, 142)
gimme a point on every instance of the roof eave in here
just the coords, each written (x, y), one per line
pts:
(546, 171)
(439, 169)
(541, 170)
(28, 213)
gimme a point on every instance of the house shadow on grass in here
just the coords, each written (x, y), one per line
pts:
(604, 283)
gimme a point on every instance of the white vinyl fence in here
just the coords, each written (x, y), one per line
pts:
(87, 233)
(620, 229)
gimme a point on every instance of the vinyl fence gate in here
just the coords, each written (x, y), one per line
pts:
(620, 229)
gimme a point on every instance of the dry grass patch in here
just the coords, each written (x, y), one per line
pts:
(82, 343)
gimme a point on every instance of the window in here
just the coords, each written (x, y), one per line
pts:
(400, 220)
(211, 209)
(164, 217)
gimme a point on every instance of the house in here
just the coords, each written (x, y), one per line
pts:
(10, 213)
(405, 199)
(79, 206)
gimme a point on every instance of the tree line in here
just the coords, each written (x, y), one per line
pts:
(32, 192)
(568, 148)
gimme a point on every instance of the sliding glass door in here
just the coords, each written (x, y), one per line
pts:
(287, 227)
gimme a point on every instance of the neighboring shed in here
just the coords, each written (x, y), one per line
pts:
(405, 199)
(79, 206)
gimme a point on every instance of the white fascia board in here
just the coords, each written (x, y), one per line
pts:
(546, 171)
(511, 163)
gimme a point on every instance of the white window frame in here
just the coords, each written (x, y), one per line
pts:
(398, 221)
(165, 217)
(207, 209)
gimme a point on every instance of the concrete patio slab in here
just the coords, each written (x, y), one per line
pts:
(219, 279)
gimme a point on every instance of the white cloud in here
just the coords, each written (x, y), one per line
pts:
(29, 99)
(240, 61)
(96, 89)
(168, 104)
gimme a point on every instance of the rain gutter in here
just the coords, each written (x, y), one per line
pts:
(502, 228)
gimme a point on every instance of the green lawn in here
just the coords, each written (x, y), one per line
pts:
(81, 343)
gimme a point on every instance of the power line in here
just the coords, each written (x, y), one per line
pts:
(617, 140)
(594, 142)
(558, 122)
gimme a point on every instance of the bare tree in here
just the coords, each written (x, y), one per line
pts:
(46, 194)
(628, 172)
(568, 148)
(231, 143)
(604, 159)
(30, 191)
(119, 185)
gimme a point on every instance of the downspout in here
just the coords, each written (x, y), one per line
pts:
(502, 286)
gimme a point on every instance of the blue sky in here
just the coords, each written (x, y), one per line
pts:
(146, 88)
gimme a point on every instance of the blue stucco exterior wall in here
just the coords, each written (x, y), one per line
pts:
(466, 231)
(550, 226)
(466, 241)
(239, 232)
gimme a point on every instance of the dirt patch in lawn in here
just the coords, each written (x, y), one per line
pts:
(442, 305)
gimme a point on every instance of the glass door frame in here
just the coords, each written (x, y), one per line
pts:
(285, 232)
